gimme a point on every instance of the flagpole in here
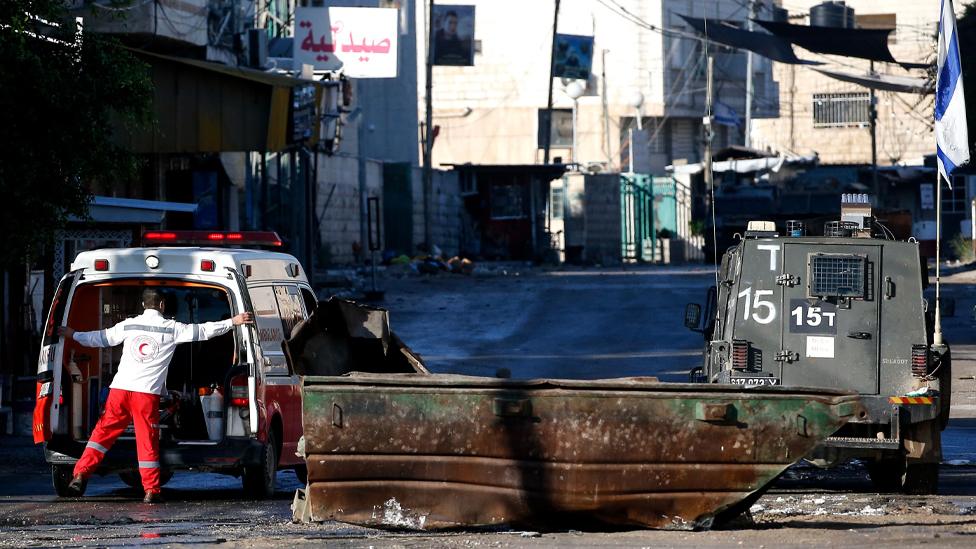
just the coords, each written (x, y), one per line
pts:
(937, 331)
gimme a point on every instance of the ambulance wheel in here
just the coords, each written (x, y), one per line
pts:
(60, 477)
(259, 480)
(134, 480)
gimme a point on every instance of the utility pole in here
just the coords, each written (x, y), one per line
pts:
(707, 157)
(547, 131)
(428, 129)
(873, 119)
(707, 125)
(747, 139)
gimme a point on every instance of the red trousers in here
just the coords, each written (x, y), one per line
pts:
(122, 406)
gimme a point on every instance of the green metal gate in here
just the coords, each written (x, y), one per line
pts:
(637, 235)
(665, 205)
(647, 205)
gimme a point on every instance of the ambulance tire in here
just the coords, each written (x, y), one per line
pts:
(259, 480)
(60, 477)
(132, 479)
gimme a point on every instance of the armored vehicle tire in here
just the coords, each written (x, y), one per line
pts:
(134, 480)
(259, 480)
(945, 388)
(888, 474)
(60, 477)
(896, 474)
(921, 479)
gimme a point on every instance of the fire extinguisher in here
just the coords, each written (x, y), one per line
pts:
(42, 407)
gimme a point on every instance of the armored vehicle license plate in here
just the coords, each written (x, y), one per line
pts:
(754, 381)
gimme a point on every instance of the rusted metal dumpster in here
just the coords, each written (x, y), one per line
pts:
(419, 450)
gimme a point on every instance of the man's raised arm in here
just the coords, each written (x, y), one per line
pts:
(186, 333)
(109, 337)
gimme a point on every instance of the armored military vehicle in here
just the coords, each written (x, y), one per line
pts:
(843, 310)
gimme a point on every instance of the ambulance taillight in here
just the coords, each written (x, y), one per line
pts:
(238, 392)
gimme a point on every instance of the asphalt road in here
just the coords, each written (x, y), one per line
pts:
(570, 324)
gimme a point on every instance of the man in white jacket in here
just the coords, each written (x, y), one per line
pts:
(149, 341)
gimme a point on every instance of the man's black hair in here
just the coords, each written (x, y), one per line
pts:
(451, 13)
(152, 298)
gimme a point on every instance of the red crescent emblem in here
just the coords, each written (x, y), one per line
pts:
(142, 349)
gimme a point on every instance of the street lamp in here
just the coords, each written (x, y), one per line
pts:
(636, 100)
(575, 90)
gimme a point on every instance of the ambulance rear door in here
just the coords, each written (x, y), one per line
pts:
(48, 418)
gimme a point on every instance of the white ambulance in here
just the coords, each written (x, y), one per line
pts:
(231, 405)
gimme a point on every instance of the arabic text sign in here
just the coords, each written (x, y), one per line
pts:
(360, 41)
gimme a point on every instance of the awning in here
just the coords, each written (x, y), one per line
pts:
(886, 82)
(746, 165)
(861, 43)
(762, 43)
(204, 107)
(109, 209)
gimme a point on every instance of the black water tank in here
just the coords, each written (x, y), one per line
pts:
(832, 14)
(780, 15)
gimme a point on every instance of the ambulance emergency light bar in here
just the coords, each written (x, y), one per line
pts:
(211, 238)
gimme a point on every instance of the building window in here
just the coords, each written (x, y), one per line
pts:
(509, 201)
(954, 199)
(556, 202)
(841, 110)
(561, 128)
(468, 182)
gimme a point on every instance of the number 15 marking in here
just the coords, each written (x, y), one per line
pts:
(814, 316)
(754, 305)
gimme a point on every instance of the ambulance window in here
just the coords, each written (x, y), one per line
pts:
(56, 314)
(311, 302)
(290, 305)
(270, 328)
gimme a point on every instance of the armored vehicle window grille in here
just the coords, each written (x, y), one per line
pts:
(837, 276)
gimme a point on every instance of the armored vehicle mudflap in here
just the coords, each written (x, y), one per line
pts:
(440, 451)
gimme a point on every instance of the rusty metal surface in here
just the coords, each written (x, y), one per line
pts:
(434, 451)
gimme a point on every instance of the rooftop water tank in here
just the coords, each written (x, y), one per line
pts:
(832, 14)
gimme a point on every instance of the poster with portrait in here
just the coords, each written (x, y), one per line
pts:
(452, 36)
(573, 56)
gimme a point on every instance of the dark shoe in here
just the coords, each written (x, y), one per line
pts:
(77, 486)
(153, 497)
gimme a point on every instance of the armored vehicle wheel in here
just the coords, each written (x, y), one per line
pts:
(134, 480)
(945, 388)
(60, 477)
(888, 474)
(921, 479)
(896, 474)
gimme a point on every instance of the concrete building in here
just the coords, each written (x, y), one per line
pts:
(489, 113)
(808, 123)
(904, 127)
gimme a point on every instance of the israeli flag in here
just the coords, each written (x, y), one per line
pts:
(951, 133)
(726, 115)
